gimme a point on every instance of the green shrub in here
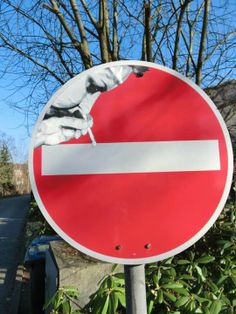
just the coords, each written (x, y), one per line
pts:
(201, 279)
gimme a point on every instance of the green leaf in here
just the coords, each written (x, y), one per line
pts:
(234, 272)
(185, 284)
(119, 281)
(111, 309)
(159, 274)
(174, 285)
(66, 308)
(206, 310)
(150, 306)
(119, 289)
(212, 285)
(221, 280)
(215, 307)
(105, 307)
(183, 262)
(192, 305)
(191, 255)
(181, 301)
(233, 278)
(119, 275)
(168, 261)
(170, 296)
(160, 296)
(200, 299)
(182, 291)
(199, 271)
(226, 300)
(58, 299)
(155, 279)
(205, 260)
(188, 277)
(121, 297)
(227, 245)
(103, 283)
(97, 304)
(173, 272)
(110, 282)
(114, 301)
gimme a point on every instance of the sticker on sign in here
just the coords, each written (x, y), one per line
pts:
(131, 157)
(130, 162)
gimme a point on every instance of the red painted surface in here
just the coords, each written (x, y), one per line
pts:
(131, 210)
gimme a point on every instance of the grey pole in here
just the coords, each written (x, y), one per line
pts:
(135, 289)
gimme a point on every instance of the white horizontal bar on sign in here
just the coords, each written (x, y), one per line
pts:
(132, 157)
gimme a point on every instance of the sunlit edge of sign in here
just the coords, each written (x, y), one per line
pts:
(177, 250)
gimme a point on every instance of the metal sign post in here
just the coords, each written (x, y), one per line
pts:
(135, 289)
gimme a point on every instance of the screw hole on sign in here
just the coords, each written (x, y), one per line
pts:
(118, 247)
(148, 246)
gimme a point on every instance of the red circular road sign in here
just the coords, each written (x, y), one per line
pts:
(130, 162)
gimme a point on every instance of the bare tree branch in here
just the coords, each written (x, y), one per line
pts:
(178, 32)
(91, 17)
(27, 56)
(147, 30)
(103, 31)
(85, 47)
(202, 42)
(115, 32)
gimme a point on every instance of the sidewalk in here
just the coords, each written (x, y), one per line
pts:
(13, 212)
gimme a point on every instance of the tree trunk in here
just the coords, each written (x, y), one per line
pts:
(147, 25)
(178, 32)
(202, 42)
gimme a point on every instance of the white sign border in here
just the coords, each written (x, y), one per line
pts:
(177, 250)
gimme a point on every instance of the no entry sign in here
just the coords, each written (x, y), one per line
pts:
(130, 162)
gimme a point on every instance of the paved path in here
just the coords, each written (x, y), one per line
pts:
(13, 212)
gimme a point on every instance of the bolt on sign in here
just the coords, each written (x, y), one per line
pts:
(130, 162)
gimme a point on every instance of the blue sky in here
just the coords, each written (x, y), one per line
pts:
(13, 124)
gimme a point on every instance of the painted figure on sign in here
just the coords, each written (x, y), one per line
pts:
(69, 115)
